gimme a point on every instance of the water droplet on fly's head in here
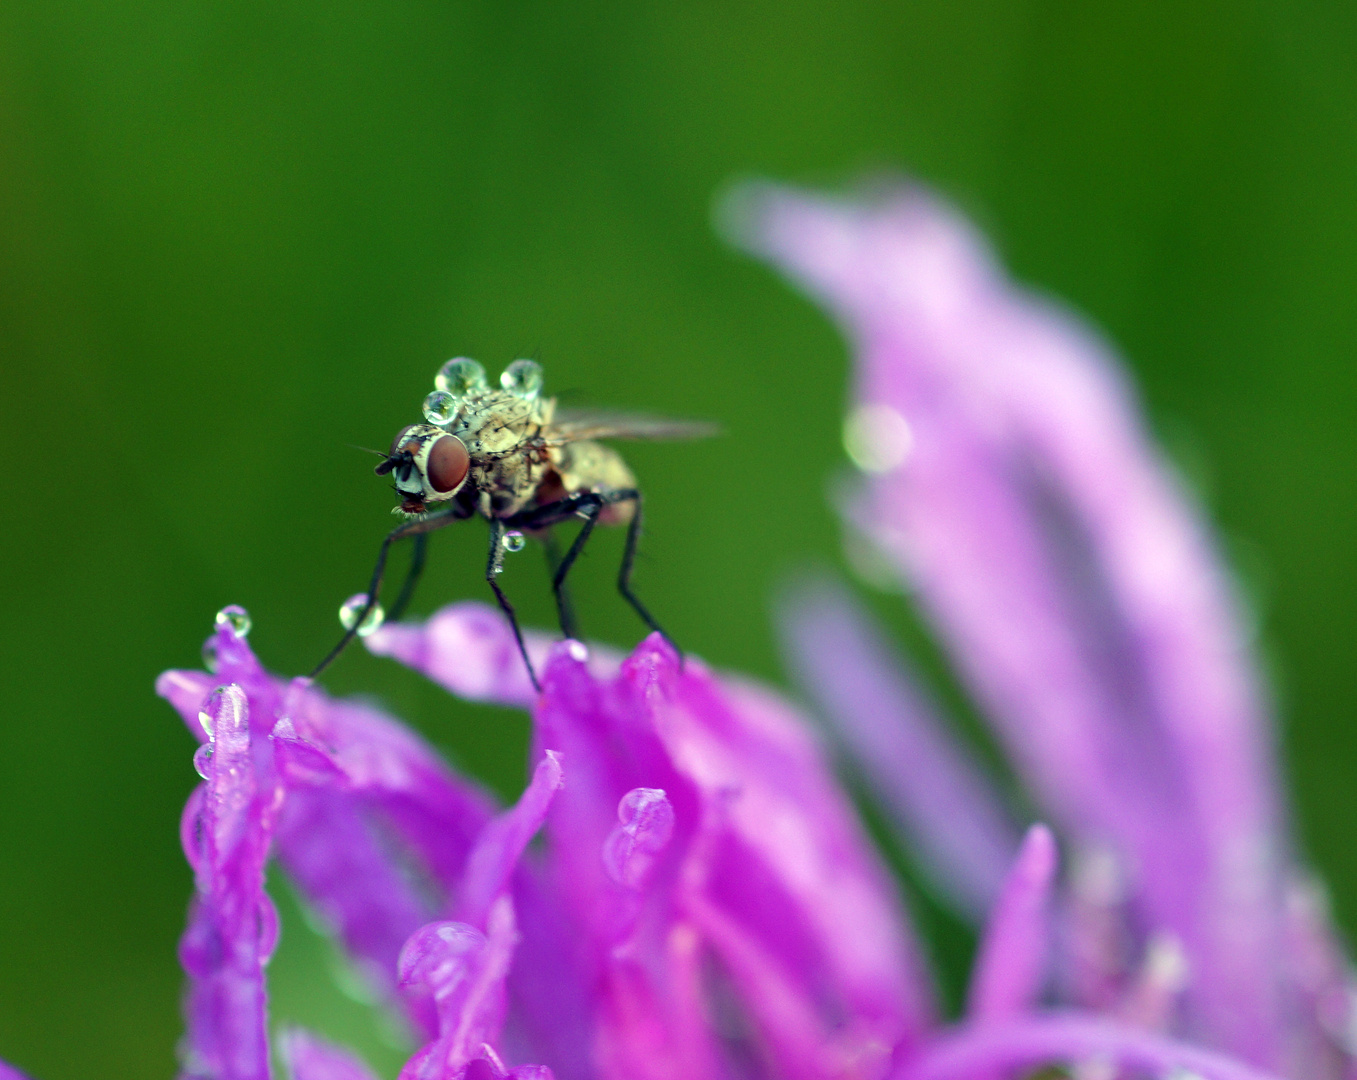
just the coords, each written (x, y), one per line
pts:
(513, 541)
(201, 757)
(461, 377)
(353, 607)
(237, 618)
(522, 378)
(440, 407)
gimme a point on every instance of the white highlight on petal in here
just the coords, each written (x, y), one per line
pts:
(878, 439)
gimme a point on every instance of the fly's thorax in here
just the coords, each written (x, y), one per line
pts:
(499, 422)
(428, 464)
(591, 466)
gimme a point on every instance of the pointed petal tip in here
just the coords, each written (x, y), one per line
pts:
(1039, 855)
(309, 1057)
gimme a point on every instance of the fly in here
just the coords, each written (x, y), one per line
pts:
(509, 455)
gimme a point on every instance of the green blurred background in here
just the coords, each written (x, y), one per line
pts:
(237, 236)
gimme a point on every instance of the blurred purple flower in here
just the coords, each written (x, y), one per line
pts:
(1008, 483)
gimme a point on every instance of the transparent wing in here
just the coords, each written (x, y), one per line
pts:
(571, 425)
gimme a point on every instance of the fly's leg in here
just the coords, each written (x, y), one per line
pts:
(421, 547)
(494, 564)
(589, 510)
(419, 527)
(628, 557)
(565, 610)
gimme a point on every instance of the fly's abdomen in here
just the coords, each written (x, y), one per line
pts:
(591, 466)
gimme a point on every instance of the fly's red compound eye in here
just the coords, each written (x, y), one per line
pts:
(397, 440)
(448, 463)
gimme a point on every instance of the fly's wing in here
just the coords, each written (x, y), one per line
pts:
(572, 425)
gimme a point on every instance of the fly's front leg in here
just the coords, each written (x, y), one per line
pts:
(412, 576)
(494, 564)
(629, 557)
(420, 528)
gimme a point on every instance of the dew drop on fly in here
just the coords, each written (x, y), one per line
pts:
(513, 541)
(440, 407)
(237, 618)
(461, 377)
(523, 378)
(350, 609)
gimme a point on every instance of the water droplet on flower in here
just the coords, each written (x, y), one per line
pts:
(461, 377)
(877, 438)
(578, 650)
(201, 757)
(237, 618)
(209, 708)
(210, 655)
(353, 606)
(522, 378)
(513, 541)
(440, 407)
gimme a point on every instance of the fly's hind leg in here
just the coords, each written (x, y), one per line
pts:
(494, 564)
(629, 557)
(565, 610)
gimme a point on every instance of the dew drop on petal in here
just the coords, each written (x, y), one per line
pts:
(513, 541)
(201, 757)
(237, 618)
(460, 377)
(522, 378)
(877, 438)
(210, 654)
(578, 650)
(353, 606)
(440, 407)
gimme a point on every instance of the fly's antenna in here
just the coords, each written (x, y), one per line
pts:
(366, 450)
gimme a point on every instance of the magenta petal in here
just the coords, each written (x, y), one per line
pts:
(9, 1072)
(232, 924)
(1011, 483)
(501, 843)
(950, 813)
(309, 1057)
(1015, 951)
(467, 648)
(1019, 1046)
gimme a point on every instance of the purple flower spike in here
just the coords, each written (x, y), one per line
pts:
(948, 810)
(310, 1058)
(1010, 971)
(233, 926)
(1008, 478)
(459, 968)
(9, 1072)
(707, 904)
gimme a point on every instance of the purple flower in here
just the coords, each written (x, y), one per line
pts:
(1008, 483)
(704, 904)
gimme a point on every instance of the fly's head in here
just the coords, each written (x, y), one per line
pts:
(428, 466)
